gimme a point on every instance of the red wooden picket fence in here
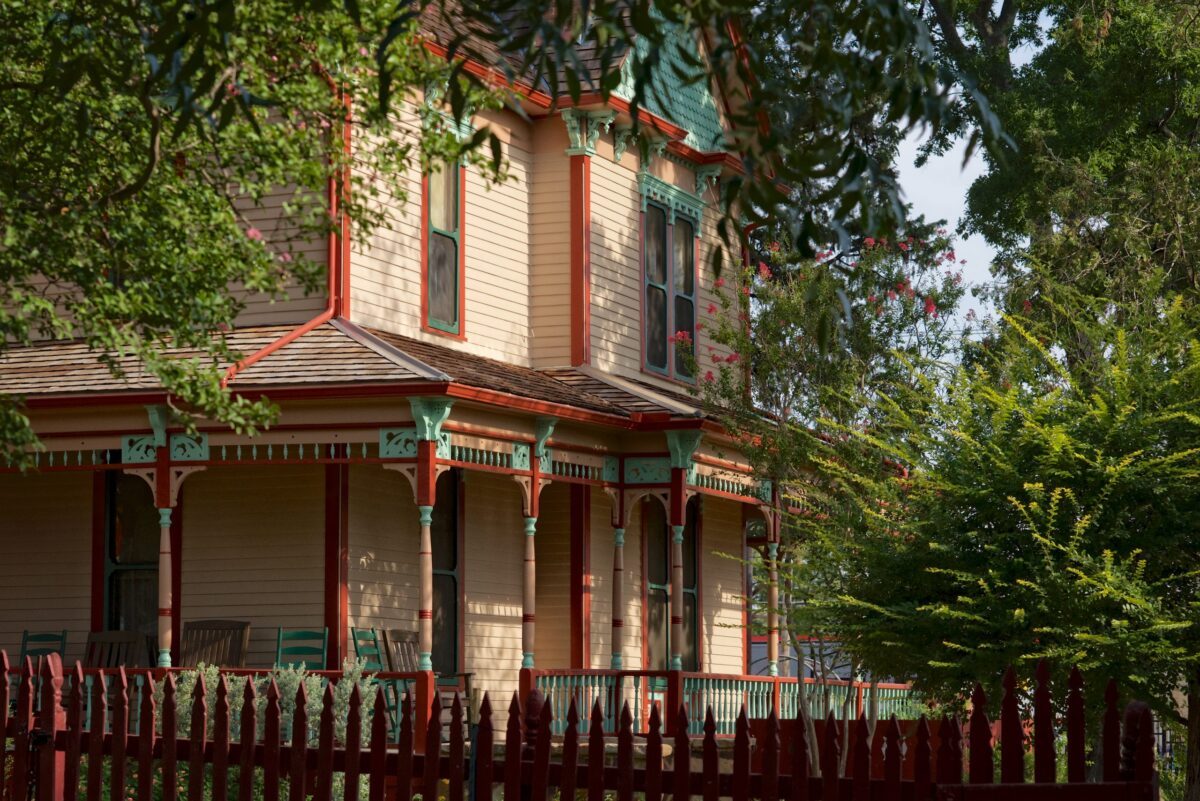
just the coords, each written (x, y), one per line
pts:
(524, 758)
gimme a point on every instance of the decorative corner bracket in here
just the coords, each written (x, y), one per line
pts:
(622, 137)
(583, 129)
(543, 428)
(706, 175)
(429, 414)
(158, 415)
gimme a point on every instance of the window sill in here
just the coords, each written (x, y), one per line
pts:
(429, 329)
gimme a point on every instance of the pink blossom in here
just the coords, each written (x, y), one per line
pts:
(720, 282)
(746, 291)
(362, 51)
(764, 271)
(731, 358)
(254, 234)
(891, 295)
(682, 337)
(709, 376)
(869, 241)
(1027, 305)
(712, 308)
(774, 247)
(716, 358)
(903, 246)
(930, 306)
(286, 258)
(870, 298)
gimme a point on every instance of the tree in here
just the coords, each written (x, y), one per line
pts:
(134, 136)
(1050, 510)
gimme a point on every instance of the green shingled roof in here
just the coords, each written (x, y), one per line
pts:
(688, 104)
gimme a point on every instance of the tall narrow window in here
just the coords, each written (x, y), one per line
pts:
(443, 258)
(131, 555)
(669, 304)
(658, 589)
(444, 533)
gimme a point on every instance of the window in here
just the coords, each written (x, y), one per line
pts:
(658, 588)
(444, 533)
(669, 305)
(131, 555)
(443, 250)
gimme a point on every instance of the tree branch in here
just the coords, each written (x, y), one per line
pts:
(138, 184)
(943, 12)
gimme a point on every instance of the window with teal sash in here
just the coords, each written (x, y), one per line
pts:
(446, 594)
(131, 555)
(658, 588)
(443, 258)
(669, 300)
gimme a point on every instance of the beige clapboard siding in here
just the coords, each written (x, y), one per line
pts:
(600, 588)
(722, 577)
(632, 642)
(550, 245)
(495, 532)
(386, 272)
(253, 549)
(296, 306)
(45, 557)
(383, 540)
(554, 578)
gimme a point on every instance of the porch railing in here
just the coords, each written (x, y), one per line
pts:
(726, 695)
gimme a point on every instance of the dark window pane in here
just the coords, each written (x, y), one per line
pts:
(443, 280)
(444, 528)
(656, 327)
(685, 320)
(657, 630)
(656, 245)
(690, 631)
(134, 601)
(689, 547)
(445, 623)
(685, 256)
(443, 199)
(134, 521)
(657, 551)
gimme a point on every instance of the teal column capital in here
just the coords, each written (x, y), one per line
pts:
(677, 532)
(164, 518)
(428, 415)
(619, 537)
(773, 668)
(425, 661)
(530, 526)
(527, 659)
(615, 663)
(164, 657)
(676, 661)
(426, 515)
(773, 549)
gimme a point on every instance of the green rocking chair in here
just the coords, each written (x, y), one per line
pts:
(36, 644)
(372, 653)
(306, 648)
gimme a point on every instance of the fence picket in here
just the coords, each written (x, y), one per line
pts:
(893, 761)
(1043, 727)
(512, 748)
(481, 753)
(379, 735)
(949, 763)
(923, 764)
(169, 737)
(799, 755)
(830, 759)
(595, 754)
(145, 769)
(120, 735)
(1076, 725)
(433, 748)
(654, 758)
(1110, 737)
(96, 739)
(458, 748)
(247, 737)
(297, 772)
(5, 708)
(74, 729)
(404, 759)
(624, 756)
(353, 745)
(1143, 769)
(1012, 734)
(711, 759)
(220, 742)
(982, 770)
(741, 757)
(540, 732)
(272, 737)
(24, 720)
(861, 753)
(681, 773)
(51, 721)
(199, 734)
(324, 786)
(570, 754)
(770, 759)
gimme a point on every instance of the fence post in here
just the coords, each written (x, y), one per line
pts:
(426, 689)
(53, 719)
(674, 698)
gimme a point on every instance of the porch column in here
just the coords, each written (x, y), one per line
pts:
(773, 609)
(618, 597)
(681, 443)
(528, 616)
(425, 584)
(165, 580)
(677, 597)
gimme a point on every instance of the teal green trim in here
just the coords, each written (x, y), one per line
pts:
(612, 469)
(164, 657)
(520, 456)
(773, 668)
(615, 663)
(622, 136)
(530, 526)
(671, 197)
(543, 428)
(583, 129)
(158, 415)
(773, 550)
(677, 531)
(619, 537)
(647, 470)
(425, 661)
(136, 449)
(449, 326)
(398, 443)
(708, 173)
(682, 444)
(164, 518)
(676, 661)
(425, 515)
(189, 448)
(765, 490)
(429, 414)
(527, 660)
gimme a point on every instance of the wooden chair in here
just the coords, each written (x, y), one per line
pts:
(373, 653)
(111, 649)
(223, 643)
(36, 644)
(403, 657)
(306, 648)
